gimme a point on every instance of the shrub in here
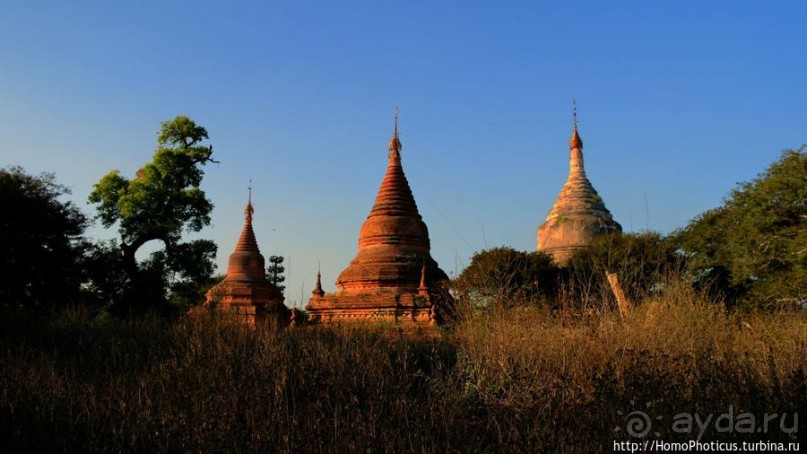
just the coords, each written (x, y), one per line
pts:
(502, 277)
(40, 242)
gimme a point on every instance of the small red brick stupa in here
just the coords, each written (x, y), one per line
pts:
(393, 277)
(245, 292)
(579, 214)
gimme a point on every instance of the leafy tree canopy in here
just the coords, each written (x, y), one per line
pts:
(164, 197)
(187, 272)
(162, 201)
(274, 272)
(40, 241)
(642, 261)
(754, 247)
(503, 276)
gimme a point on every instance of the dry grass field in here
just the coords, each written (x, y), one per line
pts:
(522, 379)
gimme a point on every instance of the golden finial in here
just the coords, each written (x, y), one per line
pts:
(576, 141)
(395, 142)
(249, 210)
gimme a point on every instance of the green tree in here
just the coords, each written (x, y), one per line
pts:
(161, 202)
(274, 272)
(105, 280)
(642, 261)
(40, 242)
(503, 277)
(187, 273)
(753, 249)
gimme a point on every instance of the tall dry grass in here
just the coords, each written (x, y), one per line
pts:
(563, 378)
(525, 379)
(213, 385)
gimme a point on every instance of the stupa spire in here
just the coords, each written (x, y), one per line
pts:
(387, 278)
(249, 209)
(394, 227)
(394, 196)
(395, 142)
(247, 241)
(577, 170)
(575, 141)
(579, 213)
(245, 291)
(318, 288)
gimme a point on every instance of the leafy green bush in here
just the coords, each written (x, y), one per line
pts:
(644, 263)
(502, 277)
(753, 249)
(40, 242)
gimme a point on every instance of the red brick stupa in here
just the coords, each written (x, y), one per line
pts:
(246, 292)
(579, 214)
(393, 277)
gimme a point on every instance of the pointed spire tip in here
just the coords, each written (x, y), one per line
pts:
(248, 210)
(318, 288)
(575, 141)
(395, 142)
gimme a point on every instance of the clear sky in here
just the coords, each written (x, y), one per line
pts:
(677, 100)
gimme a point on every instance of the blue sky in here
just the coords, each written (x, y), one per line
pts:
(678, 101)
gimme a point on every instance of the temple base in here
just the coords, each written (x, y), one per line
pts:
(252, 302)
(406, 309)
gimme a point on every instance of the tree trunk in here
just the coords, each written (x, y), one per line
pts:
(621, 300)
(137, 297)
